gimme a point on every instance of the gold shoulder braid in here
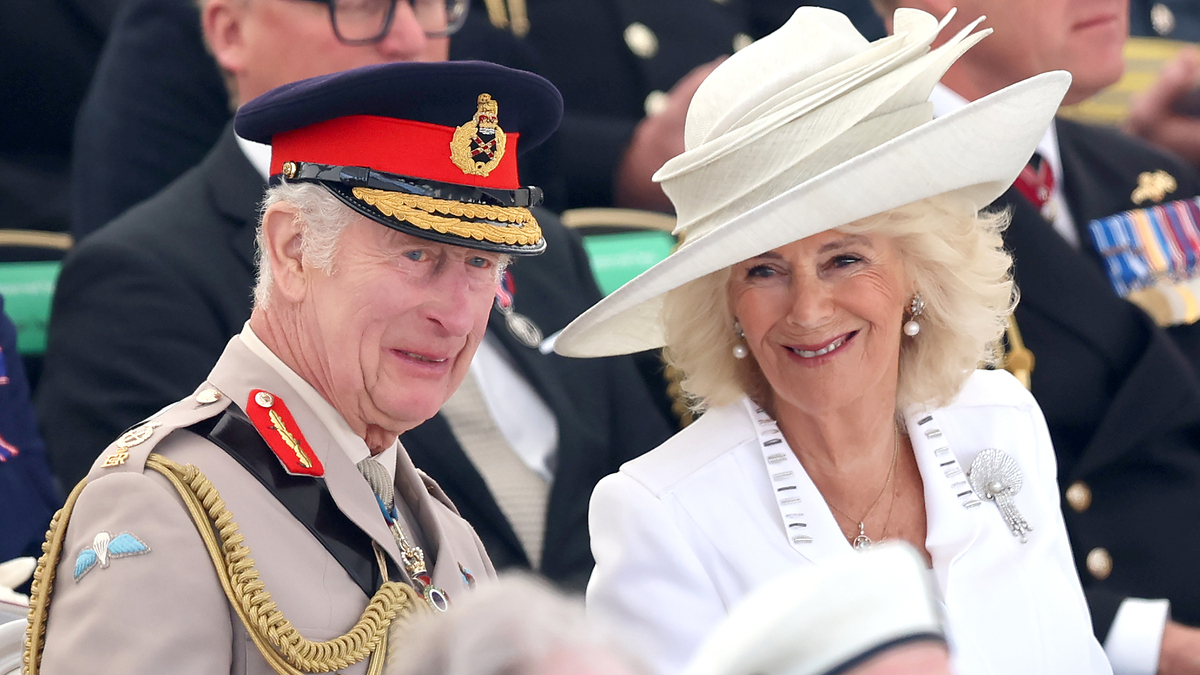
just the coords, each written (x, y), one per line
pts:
(287, 652)
(1019, 360)
(420, 211)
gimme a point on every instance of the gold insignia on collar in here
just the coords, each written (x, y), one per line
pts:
(1153, 186)
(478, 145)
(281, 428)
(129, 439)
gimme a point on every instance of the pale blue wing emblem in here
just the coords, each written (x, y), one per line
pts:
(126, 544)
(106, 548)
(84, 563)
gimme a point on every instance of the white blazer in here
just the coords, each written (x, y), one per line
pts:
(685, 531)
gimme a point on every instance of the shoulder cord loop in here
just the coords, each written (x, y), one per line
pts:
(285, 650)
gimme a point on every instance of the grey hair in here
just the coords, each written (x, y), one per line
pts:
(953, 256)
(503, 628)
(323, 218)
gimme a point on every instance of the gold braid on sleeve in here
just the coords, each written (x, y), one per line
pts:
(285, 650)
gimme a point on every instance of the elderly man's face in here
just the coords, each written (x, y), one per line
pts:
(395, 323)
(822, 318)
(1084, 37)
(281, 41)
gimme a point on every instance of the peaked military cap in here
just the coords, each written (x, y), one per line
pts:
(429, 149)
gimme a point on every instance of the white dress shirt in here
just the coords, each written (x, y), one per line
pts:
(683, 533)
(1135, 637)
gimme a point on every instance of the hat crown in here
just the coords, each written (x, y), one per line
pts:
(823, 95)
(828, 38)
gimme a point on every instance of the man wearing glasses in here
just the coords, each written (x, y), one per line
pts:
(145, 306)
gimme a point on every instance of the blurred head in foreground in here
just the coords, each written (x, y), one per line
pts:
(872, 614)
(518, 626)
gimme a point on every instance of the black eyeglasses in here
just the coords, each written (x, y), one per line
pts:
(366, 22)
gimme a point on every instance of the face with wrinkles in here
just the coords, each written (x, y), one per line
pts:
(822, 317)
(393, 326)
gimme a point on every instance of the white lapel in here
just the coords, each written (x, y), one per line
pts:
(951, 507)
(807, 522)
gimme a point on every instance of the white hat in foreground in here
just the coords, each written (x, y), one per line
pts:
(820, 620)
(810, 128)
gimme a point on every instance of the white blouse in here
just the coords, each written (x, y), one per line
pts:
(685, 531)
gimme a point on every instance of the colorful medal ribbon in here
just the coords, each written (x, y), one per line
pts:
(519, 326)
(1152, 257)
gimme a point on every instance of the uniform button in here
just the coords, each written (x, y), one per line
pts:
(656, 102)
(208, 396)
(1099, 563)
(641, 40)
(1162, 19)
(1079, 496)
(741, 41)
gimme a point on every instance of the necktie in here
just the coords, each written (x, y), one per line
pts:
(1036, 182)
(519, 491)
(379, 480)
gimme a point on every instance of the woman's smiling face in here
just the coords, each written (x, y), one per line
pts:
(822, 317)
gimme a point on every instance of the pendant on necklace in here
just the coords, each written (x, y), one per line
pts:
(862, 542)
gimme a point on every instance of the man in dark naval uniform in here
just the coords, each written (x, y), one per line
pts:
(1121, 395)
(145, 306)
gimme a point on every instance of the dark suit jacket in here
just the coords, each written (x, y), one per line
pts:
(1121, 396)
(48, 50)
(157, 104)
(145, 306)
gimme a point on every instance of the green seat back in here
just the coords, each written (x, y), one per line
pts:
(620, 256)
(28, 288)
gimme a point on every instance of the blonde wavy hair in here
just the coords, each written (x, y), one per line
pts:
(953, 256)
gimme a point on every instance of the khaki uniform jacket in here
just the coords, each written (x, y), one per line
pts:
(163, 610)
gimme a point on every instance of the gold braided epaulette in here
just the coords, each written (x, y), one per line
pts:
(285, 650)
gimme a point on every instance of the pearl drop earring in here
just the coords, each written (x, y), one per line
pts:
(911, 327)
(739, 350)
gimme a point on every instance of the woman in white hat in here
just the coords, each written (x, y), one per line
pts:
(833, 296)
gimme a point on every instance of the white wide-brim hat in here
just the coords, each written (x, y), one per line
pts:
(810, 128)
(814, 621)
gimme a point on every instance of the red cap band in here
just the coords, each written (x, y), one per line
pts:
(404, 147)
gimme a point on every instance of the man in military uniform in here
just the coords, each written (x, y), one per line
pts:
(267, 512)
(145, 305)
(1120, 394)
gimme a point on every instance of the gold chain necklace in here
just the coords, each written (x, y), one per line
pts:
(862, 542)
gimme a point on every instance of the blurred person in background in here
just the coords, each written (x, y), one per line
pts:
(516, 626)
(1118, 389)
(29, 494)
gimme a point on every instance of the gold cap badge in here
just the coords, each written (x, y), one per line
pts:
(478, 145)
